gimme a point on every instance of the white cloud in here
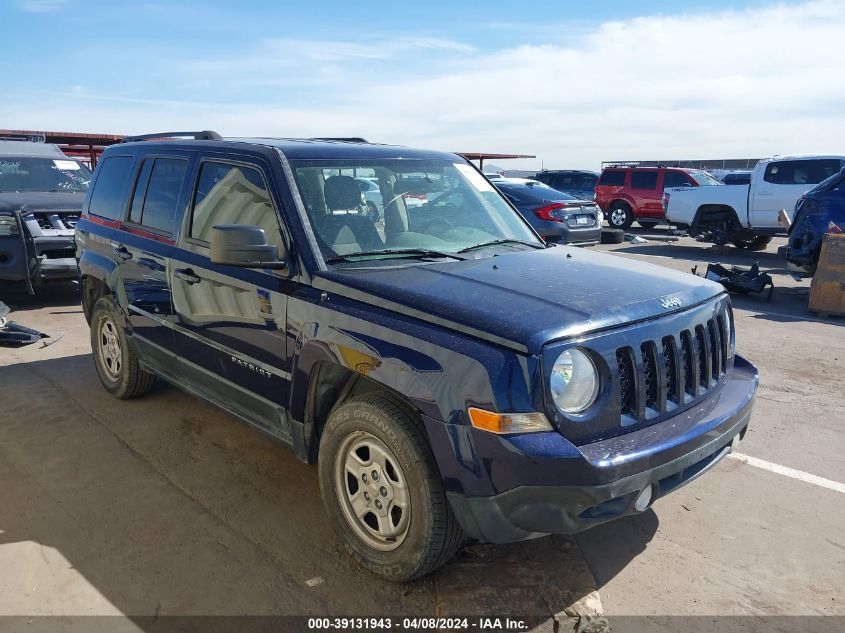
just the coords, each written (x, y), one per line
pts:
(42, 6)
(721, 84)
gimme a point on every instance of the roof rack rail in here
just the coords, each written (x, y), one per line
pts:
(345, 139)
(205, 135)
(26, 138)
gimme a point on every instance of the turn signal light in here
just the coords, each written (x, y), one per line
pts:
(508, 422)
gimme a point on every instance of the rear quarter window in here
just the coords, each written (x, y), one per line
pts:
(615, 178)
(107, 198)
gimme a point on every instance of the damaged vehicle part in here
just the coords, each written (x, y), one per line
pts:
(818, 212)
(41, 194)
(738, 279)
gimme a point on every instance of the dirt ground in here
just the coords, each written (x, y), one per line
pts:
(164, 505)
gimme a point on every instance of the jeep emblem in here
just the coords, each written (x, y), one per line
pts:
(671, 302)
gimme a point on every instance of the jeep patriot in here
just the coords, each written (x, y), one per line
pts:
(451, 375)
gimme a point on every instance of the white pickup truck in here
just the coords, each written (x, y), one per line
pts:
(747, 215)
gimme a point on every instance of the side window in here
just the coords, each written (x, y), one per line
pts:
(676, 179)
(615, 178)
(162, 197)
(232, 194)
(107, 196)
(140, 192)
(644, 180)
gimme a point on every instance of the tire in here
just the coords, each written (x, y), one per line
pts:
(374, 433)
(647, 224)
(620, 216)
(372, 211)
(758, 243)
(612, 236)
(114, 355)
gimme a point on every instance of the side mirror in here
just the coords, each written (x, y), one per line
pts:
(244, 245)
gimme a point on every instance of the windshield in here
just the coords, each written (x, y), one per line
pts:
(26, 173)
(428, 208)
(703, 178)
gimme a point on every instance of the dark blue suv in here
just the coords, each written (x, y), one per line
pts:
(451, 376)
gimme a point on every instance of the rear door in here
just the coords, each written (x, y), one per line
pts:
(782, 183)
(231, 321)
(157, 201)
(647, 192)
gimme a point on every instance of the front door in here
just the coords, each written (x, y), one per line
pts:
(230, 321)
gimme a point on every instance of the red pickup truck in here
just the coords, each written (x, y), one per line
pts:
(626, 194)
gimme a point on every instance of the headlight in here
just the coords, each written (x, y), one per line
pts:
(574, 382)
(8, 225)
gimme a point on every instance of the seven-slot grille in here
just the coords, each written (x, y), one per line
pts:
(660, 375)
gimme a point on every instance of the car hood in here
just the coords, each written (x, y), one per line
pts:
(525, 299)
(40, 200)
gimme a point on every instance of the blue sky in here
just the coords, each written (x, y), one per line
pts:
(574, 83)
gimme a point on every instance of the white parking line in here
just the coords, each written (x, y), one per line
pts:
(789, 472)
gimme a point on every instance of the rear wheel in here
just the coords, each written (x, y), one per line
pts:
(382, 491)
(114, 357)
(758, 243)
(620, 216)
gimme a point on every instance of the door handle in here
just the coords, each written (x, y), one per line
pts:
(120, 251)
(188, 276)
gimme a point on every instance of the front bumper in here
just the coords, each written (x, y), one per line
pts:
(594, 483)
(47, 258)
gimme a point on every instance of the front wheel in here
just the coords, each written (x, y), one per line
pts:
(620, 216)
(114, 356)
(382, 491)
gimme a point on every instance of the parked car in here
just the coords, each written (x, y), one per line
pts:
(372, 196)
(576, 183)
(41, 193)
(493, 176)
(556, 216)
(819, 211)
(737, 178)
(450, 374)
(626, 194)
(747, 216)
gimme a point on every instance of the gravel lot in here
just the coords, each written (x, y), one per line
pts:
(165, 505)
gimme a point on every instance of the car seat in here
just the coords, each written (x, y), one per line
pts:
(350, 232)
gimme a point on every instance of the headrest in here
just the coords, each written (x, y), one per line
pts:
(342, 192)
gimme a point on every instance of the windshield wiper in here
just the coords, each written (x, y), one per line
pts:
(503, 241)
(400, 252)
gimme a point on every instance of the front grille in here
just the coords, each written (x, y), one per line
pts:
(44, 221)
(659, 375)
(627, 381)
(55, 220)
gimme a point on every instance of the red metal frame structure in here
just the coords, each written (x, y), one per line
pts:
(85, 147)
